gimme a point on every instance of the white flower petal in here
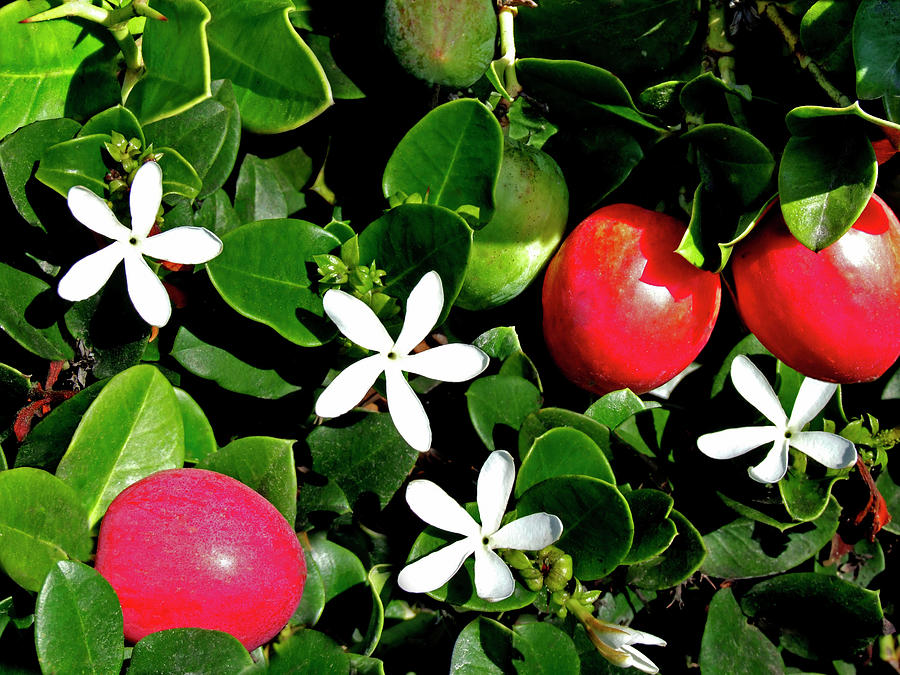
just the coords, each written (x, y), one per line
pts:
(406, 410)
(774, 466)
(493, 580)
(495, 482)
(92, 212)
(423, 308)
(832, 450)
(435, 569)
(148, 295)
(529, 533)
(753, 386)
(351, 384)
(184, 245)
(811, 398)
(145, 197)
(436, 507)
(618, 637)
(734, 442)
(356, 320)
(639, 661)
(88, 275)
(447, 363)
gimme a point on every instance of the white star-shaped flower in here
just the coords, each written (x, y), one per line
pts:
(185, 245)
(829, 449)
(493, 579)
(614, 643)
(448, 363)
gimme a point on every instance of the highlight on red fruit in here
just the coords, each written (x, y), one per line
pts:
(190, 548)
(832, 315)
(621, 308)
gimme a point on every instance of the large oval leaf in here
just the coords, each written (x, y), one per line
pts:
(131, 430)
(560, 452)
(543, 420)
(42, 521)
(308, 651)
(500, 399)
(189, 650)
(731, 645)
(674, 565)
(199, 440)
(29, 316)
(876, 34)
(78, 622)
(262, 274)
(654, 530)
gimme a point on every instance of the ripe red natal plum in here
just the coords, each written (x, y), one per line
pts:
(190, 548)
(621, 308)
(832, 315)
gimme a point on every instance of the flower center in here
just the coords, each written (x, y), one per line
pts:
(788, 433)
(485, 541)
(393, 356)
(133, 241)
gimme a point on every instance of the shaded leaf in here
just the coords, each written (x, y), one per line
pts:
(731, 645)
(876, 33)
(674, 565)
(500, 399)
(29, 311)
(199, 440)
(562, 452)
(189, 650)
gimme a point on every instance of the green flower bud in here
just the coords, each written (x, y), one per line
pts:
(517, 560)
(560, 573)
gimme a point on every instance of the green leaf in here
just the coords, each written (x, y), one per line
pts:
(14, 390)
(293, 170)
(824, 185)
(189, 650)
(118, 119)
(338, 567)
(312, 602)
(179, 177)
(217, 214)
(485, 647)
(804, 497)
(212, 363)
(891, 493)
(500, 399)
(262, 274)
(813, 120)
(597, 523)
(562, 452)
(826, 34)
(207, 135)
(654, 530)
(617, 406)
(411, 240)
(744, 549)
(342, 86)
(503, 343)
(541, 421)
(29, 314)
(53, 69)
(749, 345)
(308, 651)
(176, 60)
(674, 565)
(278, 83)
(376, 580)
(367, 456)
(546, 648)
(263, 463)
(707, 93)
(451, 157)
(78, 622)
(42, 521)
(199, 440)
(20, 151)
(78, 161)
(876, 33)
(258, 195)
(818, 616)
(132, 429)
(731, 645)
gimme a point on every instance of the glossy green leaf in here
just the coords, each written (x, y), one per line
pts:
(320, 494)
(411, 240)
(338, 567)
(804, 497)
(562, 452)
(308, 651)
(818, 616)
(342, 87)
(132, 429)
(20, 151)
(75, 162)
(707, 93)
(814, 120)
(826, 34)
(749, 345)
(29, 313)
(176, 59)
(376, 580)
(825, 185)
(278, 83)
(262, 273)
(451, 158)
(293, 170)
(179, 177)
(745, 549)
(118, 119)
(485, 647)
(604, 140)
(731, 645)
(189, 650)
(199, 440)
(500, 399)
(876, 33)
(367, 456)
(312, 602)
(258, 195)
(78, 622)
(503, 343)
(217, 214)
(541, 421)
(53, 69)
(265, 464)
(207, 135)
(42, 521)
(654, 530)
(229, 372)
(597, 523)
(674, 565)
(617, 406)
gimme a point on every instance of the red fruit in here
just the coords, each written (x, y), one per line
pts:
(189, 548)
(621, 308)
(832, 315)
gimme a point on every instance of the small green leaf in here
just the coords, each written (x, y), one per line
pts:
(132, 429)
(338, 567)
(78, 161)
(229, 372)
(308, 651)
(179, 177)
(706, 93)
(541, 421)
(78, 622)
(29, 313)
(674, 565)
(826, 34)
(376, 580)
(118, 119)
(804, 497)
(199, 440)
(500, 399)
(654, 530)
(562, 452)
(617, 406)
(312, 602)
(876, 34)
(189, 650)
(258, 195)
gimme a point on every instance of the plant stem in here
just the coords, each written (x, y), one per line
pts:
(793, 42)
(505, 18)
(130, 50)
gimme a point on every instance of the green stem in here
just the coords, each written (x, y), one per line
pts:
(735, 105)
(130, 50)
(505, 18)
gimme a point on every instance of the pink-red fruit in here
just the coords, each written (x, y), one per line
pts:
(189, 548)
(621, 308)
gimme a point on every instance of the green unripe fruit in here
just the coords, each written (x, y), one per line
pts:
(450, 43)
(532, 206)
